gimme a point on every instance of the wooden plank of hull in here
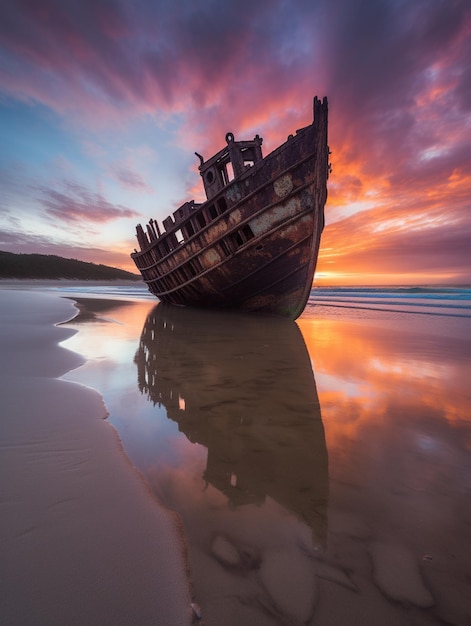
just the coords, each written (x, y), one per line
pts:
(273, 279)
(269, 273)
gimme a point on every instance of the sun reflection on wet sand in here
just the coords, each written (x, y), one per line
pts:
(345, 502)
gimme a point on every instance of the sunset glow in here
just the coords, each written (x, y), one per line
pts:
(365, 374)
(103, 104)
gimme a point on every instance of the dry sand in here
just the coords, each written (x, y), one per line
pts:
(83, 541)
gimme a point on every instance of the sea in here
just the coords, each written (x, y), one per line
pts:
(447, 301)
(435, 300)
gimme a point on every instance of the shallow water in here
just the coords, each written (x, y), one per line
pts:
(322, 469)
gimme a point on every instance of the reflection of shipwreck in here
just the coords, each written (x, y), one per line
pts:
(243, 387)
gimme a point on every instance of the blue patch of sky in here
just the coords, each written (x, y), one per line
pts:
(168, 166)
(38, 145)
(34, 136)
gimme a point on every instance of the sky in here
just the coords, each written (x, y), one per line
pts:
(103, 104)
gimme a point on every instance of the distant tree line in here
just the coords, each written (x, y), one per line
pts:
(50, 266)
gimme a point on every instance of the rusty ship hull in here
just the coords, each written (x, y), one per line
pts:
(253, 245)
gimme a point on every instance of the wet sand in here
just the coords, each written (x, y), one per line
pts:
(83, 539)
(321, 469)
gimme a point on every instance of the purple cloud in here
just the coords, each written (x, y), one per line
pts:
(131, 179)
(78, 204)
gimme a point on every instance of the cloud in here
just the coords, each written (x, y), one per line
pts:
(237, 67)
(428, 240)
(101, 58)
(370, 56)
(65, 52)
(394, 74)
(75, 204)
(131, 179)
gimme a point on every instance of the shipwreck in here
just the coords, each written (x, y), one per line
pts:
(253, 244)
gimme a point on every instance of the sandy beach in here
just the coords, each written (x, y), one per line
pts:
(312, 473)
(83, 540)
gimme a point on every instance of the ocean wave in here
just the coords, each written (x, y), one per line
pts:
(452, 301)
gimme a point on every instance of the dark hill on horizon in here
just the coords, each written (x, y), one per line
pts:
(52, 267)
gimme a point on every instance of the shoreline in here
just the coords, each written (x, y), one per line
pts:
(83, 541)
(28, 283)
